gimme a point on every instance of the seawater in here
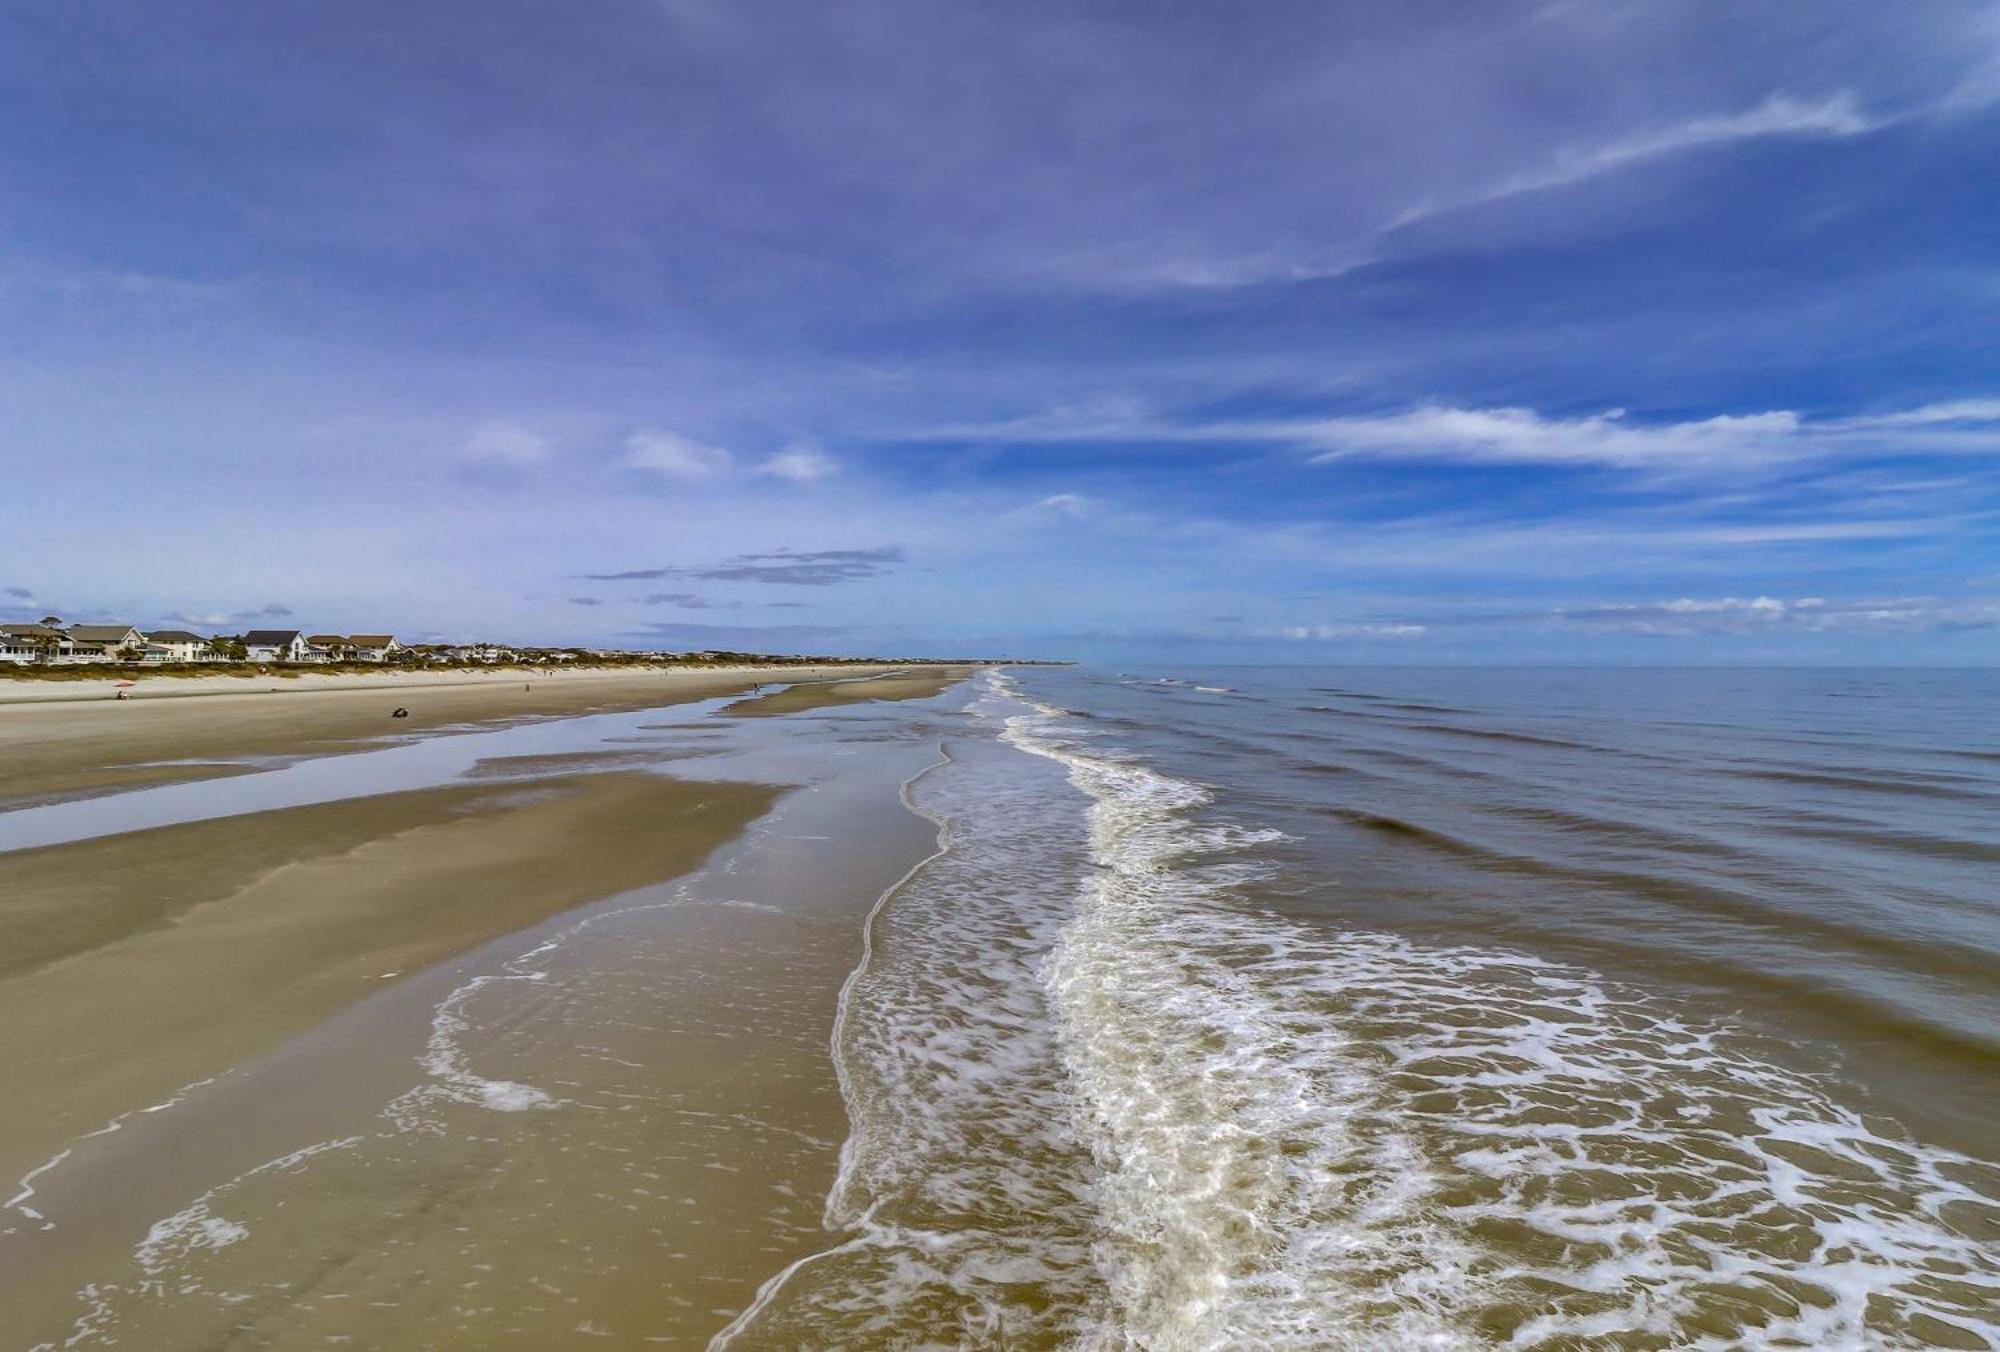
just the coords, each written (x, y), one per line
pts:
(1357, 1009)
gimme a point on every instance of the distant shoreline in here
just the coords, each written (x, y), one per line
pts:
(101, 686)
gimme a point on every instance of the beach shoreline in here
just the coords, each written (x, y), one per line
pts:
(98, 686)
(227, 991)
(52, 748)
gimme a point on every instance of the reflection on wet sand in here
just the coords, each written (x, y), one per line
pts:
(305, 1072)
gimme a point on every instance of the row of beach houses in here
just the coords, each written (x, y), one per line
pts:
(50, 642)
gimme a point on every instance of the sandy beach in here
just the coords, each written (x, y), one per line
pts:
(65, 738)
(182, 1004)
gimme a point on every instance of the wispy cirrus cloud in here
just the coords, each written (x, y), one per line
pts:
(674, 456)
(1300, 633)
(800, 464)
(747, 636)
(1524, 436)
(1727, 615)
(505, 443)
(1779, 115)
(784, 567)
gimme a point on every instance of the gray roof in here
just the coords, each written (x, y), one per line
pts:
(173, 636)
(269, 638)
(99, 633)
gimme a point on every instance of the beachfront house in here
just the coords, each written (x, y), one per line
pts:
(372, 647)
(178, 645)
(276, 645)
(24, 644)
(105, 643)
(331, 647)
(481, 652)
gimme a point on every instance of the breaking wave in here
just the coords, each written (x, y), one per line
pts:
(1100, 1099)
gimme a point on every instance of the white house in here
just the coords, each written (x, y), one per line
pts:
(277, 645)
(104, 643)
(178, 645)
(29, 643)
(373, 647)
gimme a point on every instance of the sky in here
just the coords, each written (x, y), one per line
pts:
(1397, 331)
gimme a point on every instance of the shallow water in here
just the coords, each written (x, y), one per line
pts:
(1395, 1009)
(1234, 1008)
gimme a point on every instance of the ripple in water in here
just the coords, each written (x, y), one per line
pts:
(1100, 1101)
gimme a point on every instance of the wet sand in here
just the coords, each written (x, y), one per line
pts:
(921, 683)
(142, 962)
(66, 744)
(302, 956)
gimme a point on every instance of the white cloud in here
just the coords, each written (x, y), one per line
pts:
(505, 443)
(674, 455)
(1778, 115)
(1519, 435)
(1525, 436)
(1062, 506)
(801, 464)
(1687, 616)
(1959, 412)
(1310, 632)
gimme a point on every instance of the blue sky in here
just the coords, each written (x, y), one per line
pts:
(1356, 332)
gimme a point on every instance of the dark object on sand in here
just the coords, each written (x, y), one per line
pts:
(400, 713)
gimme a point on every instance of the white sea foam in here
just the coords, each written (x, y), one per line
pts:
(27, 1185)
(1311, 1137)
(1100, 1100)
(452, 1077)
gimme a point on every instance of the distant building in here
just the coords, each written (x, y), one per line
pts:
(30, 643)
(105, 642)
(178, 645)
(277, 645)
(373, 647)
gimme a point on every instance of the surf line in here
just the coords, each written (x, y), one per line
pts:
(19, 1203)
(768, 1292)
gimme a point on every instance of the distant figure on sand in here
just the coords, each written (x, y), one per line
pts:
(400, 713)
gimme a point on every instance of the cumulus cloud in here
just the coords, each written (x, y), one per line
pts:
(800, 464)
(505, 443)
(673, 455)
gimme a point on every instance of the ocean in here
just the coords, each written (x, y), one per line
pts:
(1391, 1008)
(1221, 1008)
